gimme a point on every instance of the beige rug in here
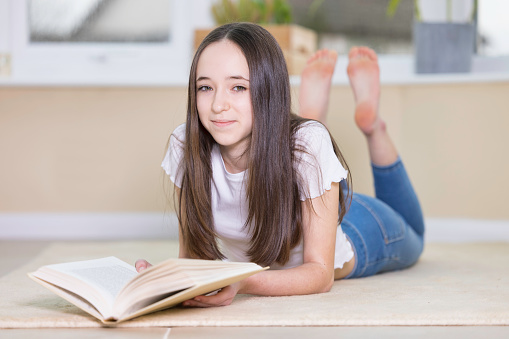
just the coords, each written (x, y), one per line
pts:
(452, 284)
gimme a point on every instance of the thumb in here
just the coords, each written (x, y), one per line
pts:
(141, 265)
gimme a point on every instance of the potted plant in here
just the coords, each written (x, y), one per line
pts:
(444, 34)
(298, 43)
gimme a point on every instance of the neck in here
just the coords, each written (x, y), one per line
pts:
(234, 158)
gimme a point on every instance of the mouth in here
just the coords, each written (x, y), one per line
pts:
(222, 123)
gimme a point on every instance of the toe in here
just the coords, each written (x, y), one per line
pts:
(369, 53)
(354, 51)
(332, 56)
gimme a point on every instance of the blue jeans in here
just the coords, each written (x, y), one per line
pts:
(386, 232)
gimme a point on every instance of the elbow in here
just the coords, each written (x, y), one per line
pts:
(321, 280)
(327, 286)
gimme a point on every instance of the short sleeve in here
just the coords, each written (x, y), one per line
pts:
(317, 164)
(174, 154)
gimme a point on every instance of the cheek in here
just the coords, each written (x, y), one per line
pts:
(246, 108)
(248, 113)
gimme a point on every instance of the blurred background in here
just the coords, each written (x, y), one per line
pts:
(90, 91)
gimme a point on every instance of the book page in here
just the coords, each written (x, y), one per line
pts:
(107, 275)
(110, 279)
(208, 284)
(94, 285)
(70, 297)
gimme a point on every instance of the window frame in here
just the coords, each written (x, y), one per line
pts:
(145, 65)
(103, 63)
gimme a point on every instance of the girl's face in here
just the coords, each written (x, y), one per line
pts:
(223, 98)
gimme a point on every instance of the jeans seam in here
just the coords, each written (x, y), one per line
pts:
(380, 223)
(402, 223)
(383, 260)
(355, 255)
(355, 250)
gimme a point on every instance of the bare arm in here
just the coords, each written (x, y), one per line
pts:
(315, 275)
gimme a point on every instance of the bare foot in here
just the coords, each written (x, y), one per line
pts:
(364, 75)
(315, 85)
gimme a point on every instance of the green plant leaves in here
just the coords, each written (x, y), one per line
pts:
(256, 11)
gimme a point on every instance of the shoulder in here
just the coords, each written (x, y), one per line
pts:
(179, 133)
(311, 130)
(312, 135)
(174, 154)
(177, 139)
(316, 162)
(312, 125)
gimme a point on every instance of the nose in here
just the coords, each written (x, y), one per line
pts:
(220, 103)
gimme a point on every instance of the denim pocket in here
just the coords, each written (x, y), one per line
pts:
(391, 224)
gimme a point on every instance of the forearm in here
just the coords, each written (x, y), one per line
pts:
(308, 278)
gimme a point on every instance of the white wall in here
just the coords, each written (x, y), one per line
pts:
(202, 17)
(4, 26)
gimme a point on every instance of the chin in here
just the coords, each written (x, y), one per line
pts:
(223, 140)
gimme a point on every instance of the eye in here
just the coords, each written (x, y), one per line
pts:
(239, 89)
(204, 88)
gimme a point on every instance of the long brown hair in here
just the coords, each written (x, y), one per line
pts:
(274, 209)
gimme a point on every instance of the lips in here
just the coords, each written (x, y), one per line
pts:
(222, 123)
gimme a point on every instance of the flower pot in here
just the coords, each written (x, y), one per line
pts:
(443, 47)
(298, 43)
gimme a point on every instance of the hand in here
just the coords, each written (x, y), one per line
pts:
(141, 265)
(223, 298)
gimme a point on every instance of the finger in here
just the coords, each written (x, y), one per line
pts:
(219, 299)
(141, 265)
(223, 297)
(195, 303)
(192, 303)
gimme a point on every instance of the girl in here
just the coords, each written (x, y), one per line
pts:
(257, 183)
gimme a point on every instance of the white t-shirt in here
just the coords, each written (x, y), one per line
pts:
(229, 203)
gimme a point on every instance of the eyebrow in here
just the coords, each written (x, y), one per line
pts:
(233, 77)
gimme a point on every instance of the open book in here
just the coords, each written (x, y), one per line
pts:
(112, 291)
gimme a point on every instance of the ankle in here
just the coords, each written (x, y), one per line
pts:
(381, 149)
(378, 130)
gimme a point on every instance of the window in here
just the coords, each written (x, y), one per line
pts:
(99, 21)
(91, 40)
(343, 23)
(114, 42)
(493, 28)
